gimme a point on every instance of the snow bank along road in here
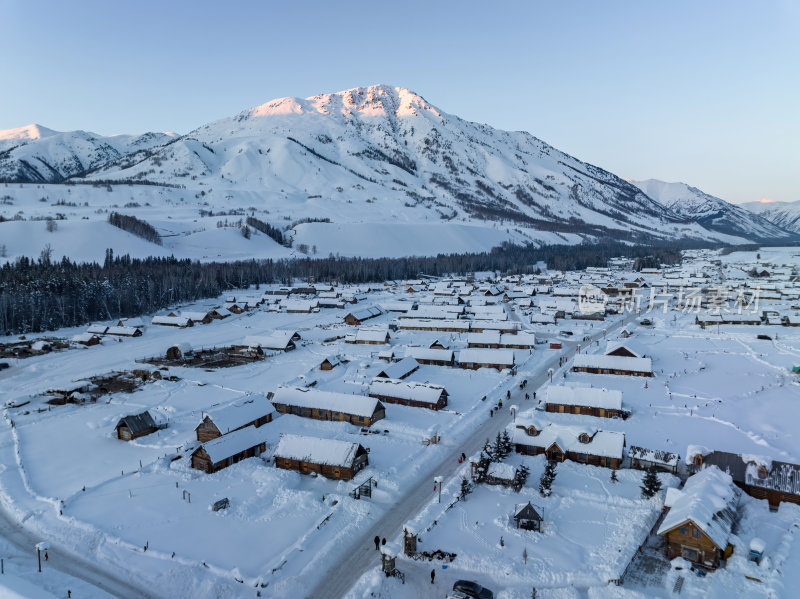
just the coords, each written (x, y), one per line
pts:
(358, 558)
(68, 563)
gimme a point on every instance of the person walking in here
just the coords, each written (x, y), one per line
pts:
(383, 541)
(491, 412)
(433, 575)
(377, 540)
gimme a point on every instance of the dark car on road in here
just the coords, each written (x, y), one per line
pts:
(472, 589)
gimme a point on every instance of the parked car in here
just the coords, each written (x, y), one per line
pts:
(3, 365)
(565, 333)
(764, 337)
(472, 589)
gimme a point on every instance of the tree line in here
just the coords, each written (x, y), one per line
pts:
(40, 295)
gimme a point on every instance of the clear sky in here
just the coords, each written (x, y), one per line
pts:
(704, 92)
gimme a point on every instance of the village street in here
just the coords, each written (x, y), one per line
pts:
(361, 556)
(64, 561)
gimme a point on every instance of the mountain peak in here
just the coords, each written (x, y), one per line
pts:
(32, 131)
(372, 100)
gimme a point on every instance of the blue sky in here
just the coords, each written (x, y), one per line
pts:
(701, 92)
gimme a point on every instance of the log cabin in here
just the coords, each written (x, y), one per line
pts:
(759, 477)
(399, 370)
(327, 405)
(560, 443)
(444, 325)
(431, 357)
(418, 395)
(642, 458)
(356, 317)
(173, 321)
(588, 401)
(698, 525)
(254, 411)
(486, 358)
(224, 451)
(340, 460)
(372, 337)
(595, 364)
(134, 426)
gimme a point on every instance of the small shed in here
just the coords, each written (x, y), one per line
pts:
(329, 363)
(526, 517)
(136, 425)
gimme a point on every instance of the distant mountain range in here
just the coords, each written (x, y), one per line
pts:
(782, 214)
(713, 213)
(385, 155)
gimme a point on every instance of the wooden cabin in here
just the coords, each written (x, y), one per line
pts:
(526, 517)
(329, 363)
(418, 395)
(596, 364)
(700, 519)
(180, 322)
(399, 370)
(759, 477)
(486, 358)
(331, 458)
(229, 449)
(328, 405)
(134, 426)
(560, 443)
(372, 337)
(254, 411)
(588, 401)
(500, 473)
(356, 317)
(642, 458)
(431, 357)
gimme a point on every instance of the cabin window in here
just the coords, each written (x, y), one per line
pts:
(698, 460)
(762, 473)
(583, 438)
(532, 431)
(684, 530)
(696, 533)
(582, 457)
(689, 553)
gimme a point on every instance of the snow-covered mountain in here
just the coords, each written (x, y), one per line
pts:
(370, 171)
(783, 214)
(38, 154)
(392, 154)
(713, 213)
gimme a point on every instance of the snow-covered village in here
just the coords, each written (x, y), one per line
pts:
(523, 323)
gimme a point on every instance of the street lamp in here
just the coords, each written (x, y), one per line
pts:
(437, 485)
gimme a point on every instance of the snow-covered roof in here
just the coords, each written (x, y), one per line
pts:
(400, 369)
(601, 443)
(709, 501)
(424, 353)
(235, 415)
(501, 470)
(424, 392)
(275, 340)
(612, 363)
(503, 357)
(522, 338)
(612, 346)
(372, 335)
(316, 450)
(223, 447)
(653, 455)
(609, 399)
(180, 321)
(125, 331)
(432, 324)
(484, 338)
(359, 405)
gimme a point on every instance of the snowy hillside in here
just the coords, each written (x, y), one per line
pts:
(781, 214)
(713, 213)
(38, 154)
(375, 171)
(394, 155)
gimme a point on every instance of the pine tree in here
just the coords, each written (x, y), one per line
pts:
(506, 444)
(614, 478)
(497, 449)
(650, 483)
(465, 488)
(520, 478)
(482, 468)
(524, 555)
(548, 476)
